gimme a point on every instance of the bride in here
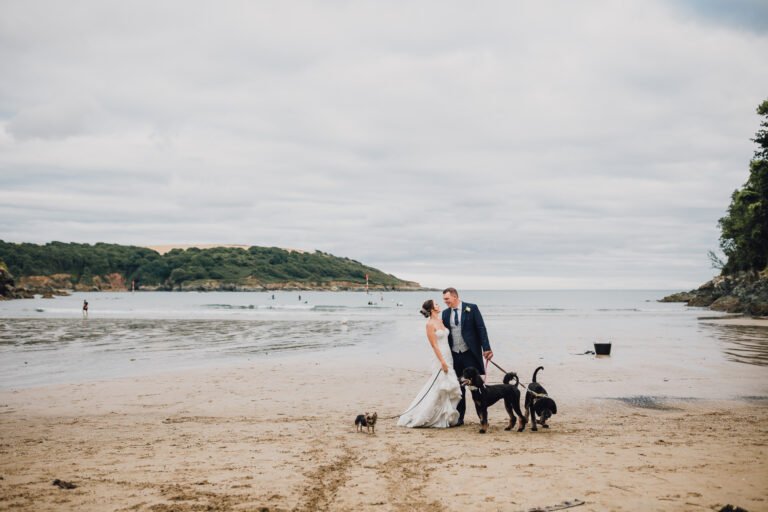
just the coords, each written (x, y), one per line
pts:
(435, 404)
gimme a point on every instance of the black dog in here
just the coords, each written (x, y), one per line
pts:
(485, 396)
(538, 403)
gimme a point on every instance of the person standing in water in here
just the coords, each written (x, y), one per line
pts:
(85, 309)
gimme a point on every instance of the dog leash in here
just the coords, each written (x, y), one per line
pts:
(435, 380)
(430, 387)
(433, 383)
(420, 399)
(537, 395)
(494, 364)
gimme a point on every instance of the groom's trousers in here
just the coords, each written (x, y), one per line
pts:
(461, 361)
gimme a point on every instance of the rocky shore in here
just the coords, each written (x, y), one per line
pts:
(745, 292)
(7, 283)
(53, 285)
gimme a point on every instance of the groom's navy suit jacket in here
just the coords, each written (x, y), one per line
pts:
(472, 330)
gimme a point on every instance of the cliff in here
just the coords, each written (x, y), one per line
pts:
(743, 292)
(62, 284)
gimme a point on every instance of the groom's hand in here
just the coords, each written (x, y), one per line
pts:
(488, 354)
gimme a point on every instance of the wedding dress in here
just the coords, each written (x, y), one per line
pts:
(438, 408)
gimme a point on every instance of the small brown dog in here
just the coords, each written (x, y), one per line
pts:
(366, 420)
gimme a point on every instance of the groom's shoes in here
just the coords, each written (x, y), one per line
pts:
(459, 423)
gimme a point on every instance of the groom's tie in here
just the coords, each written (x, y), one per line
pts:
(456, 317)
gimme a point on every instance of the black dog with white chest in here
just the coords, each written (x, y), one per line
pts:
(485, 396)
(538, 403)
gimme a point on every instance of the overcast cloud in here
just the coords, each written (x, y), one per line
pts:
(549, 144)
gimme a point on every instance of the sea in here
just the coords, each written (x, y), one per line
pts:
(658, 348)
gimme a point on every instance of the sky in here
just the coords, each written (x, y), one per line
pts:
(485, 145)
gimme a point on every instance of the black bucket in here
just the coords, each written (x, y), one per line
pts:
(603, 349)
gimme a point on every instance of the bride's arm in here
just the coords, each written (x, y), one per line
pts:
(432, 337)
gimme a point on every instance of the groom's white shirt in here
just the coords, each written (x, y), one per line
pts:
(459, 345)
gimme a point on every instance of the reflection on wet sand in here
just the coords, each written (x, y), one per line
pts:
(42, 351)
(742, 344)
(230, 336)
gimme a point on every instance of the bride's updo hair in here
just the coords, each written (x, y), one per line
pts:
(427, 308)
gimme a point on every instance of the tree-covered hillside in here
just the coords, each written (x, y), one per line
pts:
(742, 286)
(147, 268)
(744, 229)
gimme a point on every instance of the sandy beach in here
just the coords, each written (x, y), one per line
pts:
(278, 435)
(229, 229)
(738, 320)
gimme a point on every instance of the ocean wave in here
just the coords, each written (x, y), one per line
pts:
(264, 307)
(230, 306)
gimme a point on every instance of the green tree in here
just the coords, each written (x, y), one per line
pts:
(744, 229)
(179, 275)
(87, 276)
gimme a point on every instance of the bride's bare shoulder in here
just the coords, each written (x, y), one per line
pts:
(436, 325)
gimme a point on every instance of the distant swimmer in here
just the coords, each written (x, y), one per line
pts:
(85, 309)
(299, 297)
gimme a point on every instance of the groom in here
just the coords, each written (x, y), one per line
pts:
(468, 338)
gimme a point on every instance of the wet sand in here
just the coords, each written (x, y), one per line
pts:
(741, 321)
(279, 435)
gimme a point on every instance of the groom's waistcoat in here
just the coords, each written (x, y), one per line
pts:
(459, 345)
(472, 330)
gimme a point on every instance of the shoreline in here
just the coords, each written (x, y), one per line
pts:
(66, 292)
(736, 320)
(278, 435)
